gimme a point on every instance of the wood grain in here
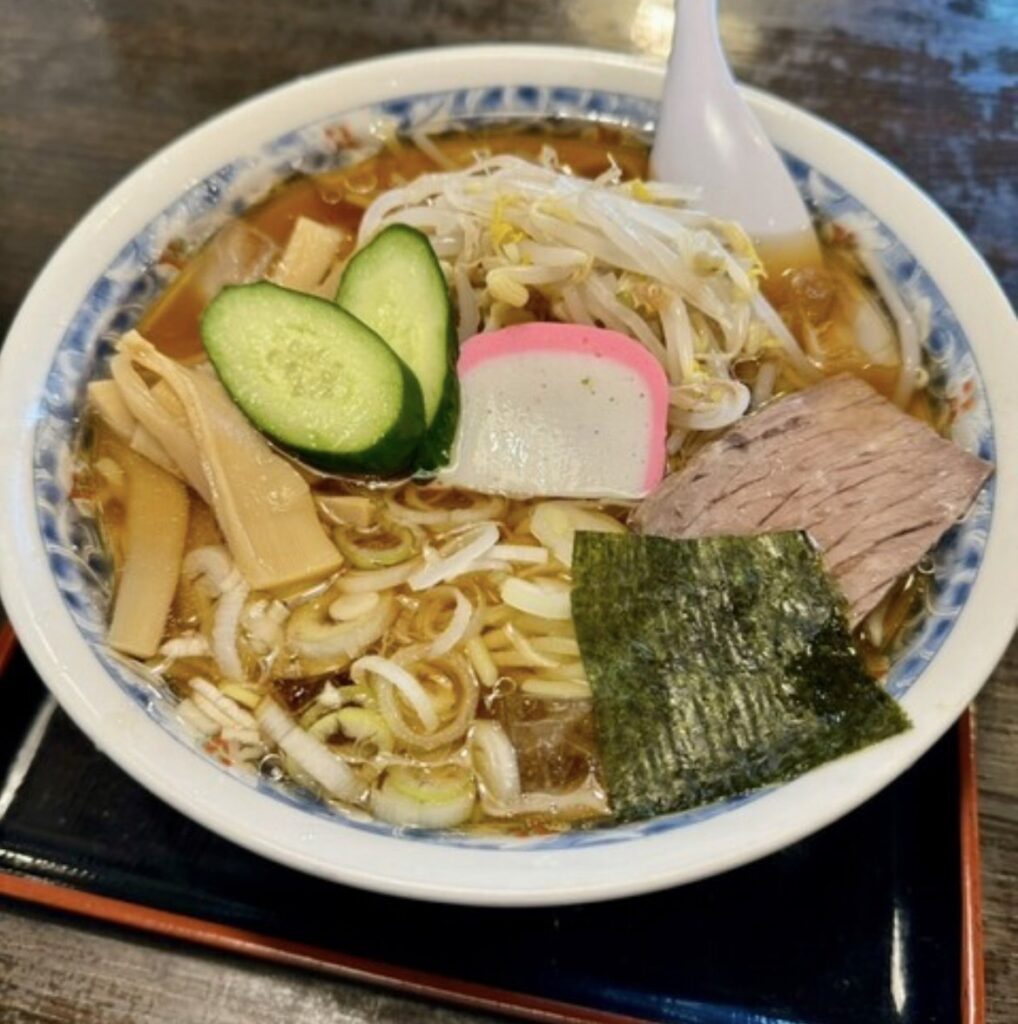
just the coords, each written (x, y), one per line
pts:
(997, 724)
(90, 88)
(54, 970)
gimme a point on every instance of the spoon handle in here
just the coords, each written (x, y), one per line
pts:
(708, 136)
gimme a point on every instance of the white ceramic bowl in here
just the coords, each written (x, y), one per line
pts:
(55, 587)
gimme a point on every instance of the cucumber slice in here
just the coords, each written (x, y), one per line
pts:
(314, 378)
(395, 286)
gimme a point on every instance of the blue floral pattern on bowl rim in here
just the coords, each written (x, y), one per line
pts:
(81, 569)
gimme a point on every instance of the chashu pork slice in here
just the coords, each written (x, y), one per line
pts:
(874, 487)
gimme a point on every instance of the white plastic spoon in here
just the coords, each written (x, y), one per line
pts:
(708, 136)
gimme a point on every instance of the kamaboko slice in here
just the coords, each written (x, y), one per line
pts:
(561, 410)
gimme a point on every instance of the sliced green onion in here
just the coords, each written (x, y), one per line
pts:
(481, 507)
(586, 801)
(410, 689)
(457, 628)
(474, 544)
(365, 726)
(188, 645)
(455, 668)
(197, 719)
(309, 635)
(227, 711)
(348, 607)
(547, 599)
(325, 727)
(388, 546)
(425, 798)
(494, 758)
(334, 775)
(554, 524)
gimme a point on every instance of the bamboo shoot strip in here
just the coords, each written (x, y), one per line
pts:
(263, 506)
(717, 666)
(157, 508)
(309, 254)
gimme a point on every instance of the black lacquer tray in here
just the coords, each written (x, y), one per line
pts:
(874, 919)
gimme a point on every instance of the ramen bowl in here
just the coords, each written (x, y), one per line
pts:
(56, 580)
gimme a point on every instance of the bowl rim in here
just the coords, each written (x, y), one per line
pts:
(527, 875)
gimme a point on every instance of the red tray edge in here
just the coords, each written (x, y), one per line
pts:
(467, 994)
(973, 975)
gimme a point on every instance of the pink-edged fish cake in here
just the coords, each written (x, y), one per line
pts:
(562, 410)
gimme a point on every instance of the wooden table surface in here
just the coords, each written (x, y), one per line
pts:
(88, 88)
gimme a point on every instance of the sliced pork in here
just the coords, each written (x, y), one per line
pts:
(874, 487)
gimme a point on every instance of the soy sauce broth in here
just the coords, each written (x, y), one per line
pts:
(339, 198)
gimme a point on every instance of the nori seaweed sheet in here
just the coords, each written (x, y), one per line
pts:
(718, 665)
